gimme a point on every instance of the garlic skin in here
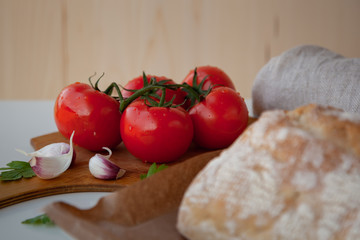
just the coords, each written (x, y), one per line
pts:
(101, 167)
(52, 160)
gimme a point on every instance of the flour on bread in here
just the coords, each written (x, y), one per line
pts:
(279, 180)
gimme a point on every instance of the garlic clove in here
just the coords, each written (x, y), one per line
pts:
(52, 160)
(101, 167)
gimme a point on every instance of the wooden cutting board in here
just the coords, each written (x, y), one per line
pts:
(78, 177)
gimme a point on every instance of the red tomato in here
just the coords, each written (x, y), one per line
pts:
(138, 83)
(215, 76)
(219, 119)
(93, 115)
(156, 134)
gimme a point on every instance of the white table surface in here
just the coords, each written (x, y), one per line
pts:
(19, 122)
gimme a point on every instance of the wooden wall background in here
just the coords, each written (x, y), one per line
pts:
(48, 44)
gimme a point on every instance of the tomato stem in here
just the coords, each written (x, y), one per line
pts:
(116, 86)
(96, 87)
(162, 99)
(125, 102)
(108, 91)
(91, 84)
(194, 80)
(195, 93)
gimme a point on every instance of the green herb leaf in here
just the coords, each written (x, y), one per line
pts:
(18, 164)
(16, 170)
(42, 219)
(152, 170)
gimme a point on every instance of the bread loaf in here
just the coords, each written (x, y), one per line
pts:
(291, 175)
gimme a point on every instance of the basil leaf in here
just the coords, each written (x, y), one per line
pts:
(152, 170)
(18, 164)
(42, 219)
(16, 170)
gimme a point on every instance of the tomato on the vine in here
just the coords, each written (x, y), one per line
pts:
(219, 118)
(215, 77)
(138, 83)
(156, 134)
(93, 115)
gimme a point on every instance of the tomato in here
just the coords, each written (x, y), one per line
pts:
(138, 83)
(93, 115)
(219, 119)
(156, 134)
(215, 77)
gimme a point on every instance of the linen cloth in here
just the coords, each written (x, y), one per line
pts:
(307, 74)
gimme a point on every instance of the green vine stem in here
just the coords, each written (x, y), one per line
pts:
(109, 90)
(125, 102)
(96, 87)
(195, 93)
(162, 99)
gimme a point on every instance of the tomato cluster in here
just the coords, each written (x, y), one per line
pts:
(155, 118)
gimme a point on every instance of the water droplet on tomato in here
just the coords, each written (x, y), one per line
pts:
(130, 128)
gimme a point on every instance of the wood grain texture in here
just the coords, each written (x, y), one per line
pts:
(46, 45)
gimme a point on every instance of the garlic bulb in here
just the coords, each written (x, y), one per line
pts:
(51, 160)
(101, 167)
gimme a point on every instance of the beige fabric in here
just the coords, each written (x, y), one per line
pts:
(307, 74)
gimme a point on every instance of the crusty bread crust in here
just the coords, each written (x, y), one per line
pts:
(291, 175)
